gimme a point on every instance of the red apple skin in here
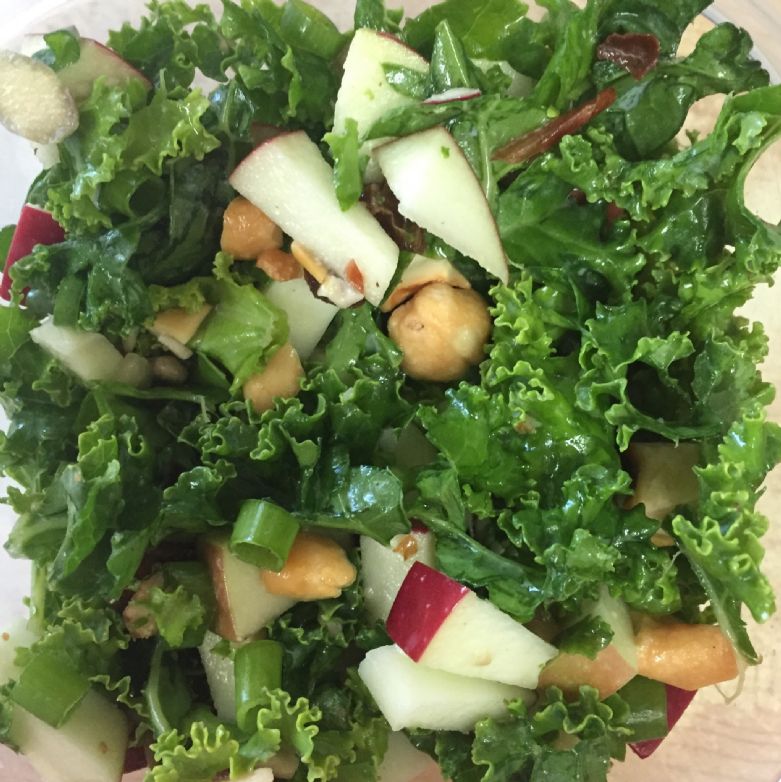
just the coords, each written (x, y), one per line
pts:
(391, 37)
(35, 227)
(424, 602)
(140, 76)
(263, 143)
(439, 100)
(678, 701)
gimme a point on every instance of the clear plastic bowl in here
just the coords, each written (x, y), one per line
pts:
(715, 741)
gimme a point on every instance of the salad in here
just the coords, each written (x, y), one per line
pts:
(378, 405)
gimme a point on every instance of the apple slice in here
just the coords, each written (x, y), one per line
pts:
(411, 695)
(455, 95)
(308, 317)
(424, 171)
(677, 702)
(89, 747)
(34, 103)
(289, 180)
(403, 762)
(445, 625)
(422, 271)
(89, 355)
(98, 61)
(613, 666)
(384, 568)
(244, 606)
(220, 676)
(36, 226)
(364, 94)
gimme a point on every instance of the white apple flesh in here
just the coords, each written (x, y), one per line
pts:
(289, 180)
(437, 189)
(90, 356)
(36, 226)
(444, 625)
(411, 695)
(98, 61)
(384, 568)
(34, 103)
(89, 747)
(308, 317)
(220, 675)
(244, 605)
(364, 94)
(403, 762)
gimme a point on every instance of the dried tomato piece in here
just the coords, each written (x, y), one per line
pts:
(637, 53)
(541, 140)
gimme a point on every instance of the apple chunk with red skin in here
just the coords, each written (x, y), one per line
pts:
(365, 94)
(36, 226)
(384, 568)
(411, 695)
(445, 625)
(290, 181)
(244, 605)
(98, 61)
(437, 189)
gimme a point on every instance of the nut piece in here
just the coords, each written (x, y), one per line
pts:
(423, 271)
(168, 370)
(309, 262)
(281, 378)
(317, 568)
(279, 265)
(137, 617)
(179, 324)
(685, 656)
(247, 232)
(442, 332)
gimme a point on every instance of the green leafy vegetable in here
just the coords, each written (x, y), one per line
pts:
(630, 252)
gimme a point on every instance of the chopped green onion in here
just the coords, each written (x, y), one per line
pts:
(50, 688)
(258, 669)
(264, 534)
(305, 27)
(67, 302)
(167, 695)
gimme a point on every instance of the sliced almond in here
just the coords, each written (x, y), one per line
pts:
(308, 260)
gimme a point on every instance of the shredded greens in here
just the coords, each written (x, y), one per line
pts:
(629, 252)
